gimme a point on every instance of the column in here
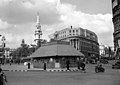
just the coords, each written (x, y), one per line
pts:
(71, 42)
(76, 44)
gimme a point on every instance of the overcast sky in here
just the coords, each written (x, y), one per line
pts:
(18, 18)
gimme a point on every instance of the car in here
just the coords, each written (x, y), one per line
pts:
(92, 61)
(104, 61)
(116, 65)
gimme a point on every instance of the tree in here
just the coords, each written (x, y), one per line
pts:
(31, 50)
(24, 49)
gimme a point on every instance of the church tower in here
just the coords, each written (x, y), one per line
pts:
(38, 32)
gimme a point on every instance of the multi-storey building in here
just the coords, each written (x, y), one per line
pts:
(83, 40)
(102, 50)
(116, 22)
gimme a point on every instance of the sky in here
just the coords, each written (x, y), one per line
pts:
(18, 18)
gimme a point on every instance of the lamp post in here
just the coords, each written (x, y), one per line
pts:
(3, 47)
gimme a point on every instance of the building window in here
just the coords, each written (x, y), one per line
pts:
(69, 31)
(76, 30)
(73, 30)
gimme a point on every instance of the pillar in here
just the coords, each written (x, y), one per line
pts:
(76, 44)
(71, 42)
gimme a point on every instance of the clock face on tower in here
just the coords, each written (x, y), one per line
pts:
(115, 3)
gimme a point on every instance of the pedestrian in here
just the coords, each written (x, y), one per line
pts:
(98, 63)
(67, 64)
(44, 66)
(82, 65)
(3, 79)
(10, 62)
(28, 65)
(78, 64)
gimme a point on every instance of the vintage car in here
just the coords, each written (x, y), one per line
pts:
(92, 61)
(116, 65)
(104, 61)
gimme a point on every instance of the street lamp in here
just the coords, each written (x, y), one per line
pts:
(3, 47)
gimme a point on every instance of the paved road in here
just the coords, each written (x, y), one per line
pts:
(62, 78)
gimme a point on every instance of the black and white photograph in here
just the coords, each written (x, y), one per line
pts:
(59, 42)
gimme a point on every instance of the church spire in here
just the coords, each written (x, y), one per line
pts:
(38, 20)
(38, 31)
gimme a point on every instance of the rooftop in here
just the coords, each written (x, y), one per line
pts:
(57, 48)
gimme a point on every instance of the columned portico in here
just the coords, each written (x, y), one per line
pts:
(75, 43)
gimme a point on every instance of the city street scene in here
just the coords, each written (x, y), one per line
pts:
(59, 42)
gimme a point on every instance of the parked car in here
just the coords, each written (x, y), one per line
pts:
(92, 61)
(116, 65)
(104, 61)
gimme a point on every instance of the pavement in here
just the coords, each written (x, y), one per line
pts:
(89, 68)
(22, 67)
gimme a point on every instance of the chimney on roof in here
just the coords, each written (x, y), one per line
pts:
(71, 27)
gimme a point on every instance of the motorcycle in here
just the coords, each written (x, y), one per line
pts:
(99, 69)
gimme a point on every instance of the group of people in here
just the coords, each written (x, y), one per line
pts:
(3, 79)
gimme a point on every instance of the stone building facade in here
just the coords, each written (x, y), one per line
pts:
(83, 40)
(116, 22)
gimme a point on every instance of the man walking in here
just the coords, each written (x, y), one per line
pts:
(67, 64)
